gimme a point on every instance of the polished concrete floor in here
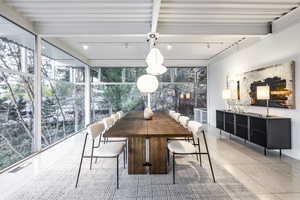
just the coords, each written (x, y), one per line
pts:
(268, 177)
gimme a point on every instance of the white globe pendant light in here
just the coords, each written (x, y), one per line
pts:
(154, 61)
(156, 70)
(147, 83)
(154, 57)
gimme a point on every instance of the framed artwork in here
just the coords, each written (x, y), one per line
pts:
(280, 78)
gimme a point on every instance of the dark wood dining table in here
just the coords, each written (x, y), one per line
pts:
(147, 140)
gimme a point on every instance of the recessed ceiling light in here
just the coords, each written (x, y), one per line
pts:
(85, 47)
(169, 47)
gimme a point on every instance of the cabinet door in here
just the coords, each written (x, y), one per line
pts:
(220, 120)
(241, 129)
(258, 131)
(229, 123)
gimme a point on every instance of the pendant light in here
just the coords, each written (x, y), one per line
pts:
(156, 70)
(147, 83)
(155, 61)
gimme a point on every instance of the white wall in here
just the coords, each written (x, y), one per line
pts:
(274, 49)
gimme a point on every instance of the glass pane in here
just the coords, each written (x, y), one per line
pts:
(16, 117)
(140, 71)
(62, 110)
(166, 77)
(94, 75)
(183, 74)
(130, 74)
(62, 95)
(78, 74)
(59, 65)
(112, 98)
(201, 88)
(111, 74)
(183, 95)
(16, 48)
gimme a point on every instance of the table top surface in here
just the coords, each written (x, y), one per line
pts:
(134, 125)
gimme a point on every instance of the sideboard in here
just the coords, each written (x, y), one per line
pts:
(270, 132)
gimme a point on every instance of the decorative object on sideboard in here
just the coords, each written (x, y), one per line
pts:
(263, 93)
(280, 78)
(226, 95)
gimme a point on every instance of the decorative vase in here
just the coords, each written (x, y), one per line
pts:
(148, 113)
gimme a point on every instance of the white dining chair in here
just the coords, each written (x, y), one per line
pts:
(175, 116)
(109, 123)
(120, 114)
(185, 148)
(184, 120)
(115, 117)
(109, 150)
(170, 112)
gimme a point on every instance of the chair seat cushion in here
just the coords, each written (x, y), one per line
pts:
(181, 147)
(110, 149)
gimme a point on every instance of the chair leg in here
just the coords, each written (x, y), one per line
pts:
(126, 151)
(82, 154)
(92, 153)
(117, 172)
(124, 157)
(168, 156)
(99, 143)
(98, 147)
(173, 168)
(200, 160)
(211, 168)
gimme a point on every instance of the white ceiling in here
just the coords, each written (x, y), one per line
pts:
(116, 30)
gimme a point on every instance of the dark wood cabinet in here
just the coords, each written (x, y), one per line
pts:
(241, 126)
(229, 123)
(220, 120)
(269, 132)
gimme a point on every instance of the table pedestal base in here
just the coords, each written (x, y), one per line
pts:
(157, 155)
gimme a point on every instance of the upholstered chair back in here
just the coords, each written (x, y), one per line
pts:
(96, 129)
(183, 120)
(196, 128)
(115, 117)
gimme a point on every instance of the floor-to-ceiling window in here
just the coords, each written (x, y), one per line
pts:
(62, 94)
(114, 88)
(16, 93)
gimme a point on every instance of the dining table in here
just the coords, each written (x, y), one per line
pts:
(147, 140)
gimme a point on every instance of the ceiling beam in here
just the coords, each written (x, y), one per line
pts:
(251, 29)
(287, 20)
(67, 29)
(228, 5)
(155, 15)
(80, 4)
(142, 63)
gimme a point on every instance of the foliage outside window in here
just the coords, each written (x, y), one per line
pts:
(16, 94)
(62, 95)
(113, 74)
(112, 97)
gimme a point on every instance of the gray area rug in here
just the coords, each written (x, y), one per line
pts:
(193, 182)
